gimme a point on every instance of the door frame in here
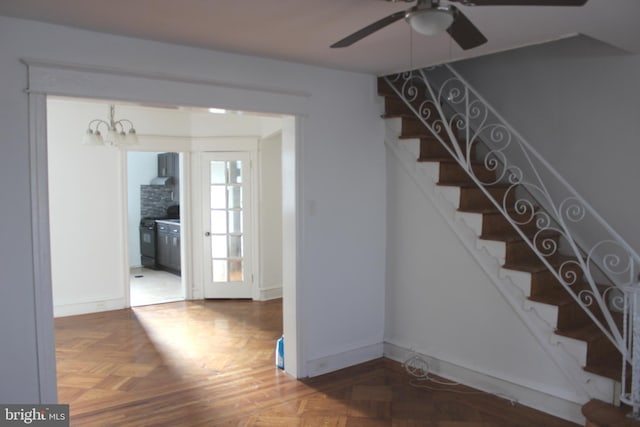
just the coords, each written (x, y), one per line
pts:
(48, 78)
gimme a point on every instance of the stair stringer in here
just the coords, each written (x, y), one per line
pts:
(568, 354)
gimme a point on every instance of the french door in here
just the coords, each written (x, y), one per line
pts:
(227, 225)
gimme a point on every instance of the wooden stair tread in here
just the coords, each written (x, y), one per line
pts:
(608, 365)
(587, 333)
(601, 414)
(447, 160)
(384, 89)
(555, 296)
(514, 236)
(466, 183)
(472, 185)
(434, 159)
(607, 370)
(486, 210)
(416, 135)
(396, 115)
(527, 268)
(473, 162)
(537, 266)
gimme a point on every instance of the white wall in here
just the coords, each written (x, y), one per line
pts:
(87, 186)
(270, 152)
(85, 197)
(341, 173)
(576, 102)
(205, 124)
(270, 126)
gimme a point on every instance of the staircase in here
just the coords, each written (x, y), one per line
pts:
(526, 269)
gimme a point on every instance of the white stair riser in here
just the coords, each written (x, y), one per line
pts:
(472, 220)
(519, 278)
(495, 248)
(451, 194)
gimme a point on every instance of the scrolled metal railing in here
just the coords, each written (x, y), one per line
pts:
(585, 255)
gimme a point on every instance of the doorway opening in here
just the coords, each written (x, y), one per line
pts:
(154, 228)
(116, 192)
(128, 201)
(104, 84)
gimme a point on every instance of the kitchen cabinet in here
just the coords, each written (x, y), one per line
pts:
(174, 257)
(169, 166)
(168, 246)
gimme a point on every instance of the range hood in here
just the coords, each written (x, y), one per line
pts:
(162, 180)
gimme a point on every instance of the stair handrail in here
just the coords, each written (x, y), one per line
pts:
(550, 168)
(460, 116)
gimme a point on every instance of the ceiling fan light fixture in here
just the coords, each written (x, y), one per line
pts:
(430, 21)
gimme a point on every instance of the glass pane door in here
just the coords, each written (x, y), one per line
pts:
(226, 221)
(228, 202)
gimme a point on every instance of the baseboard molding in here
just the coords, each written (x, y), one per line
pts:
(62, 310)
(338, 361)
(536, 399)
(272, 292)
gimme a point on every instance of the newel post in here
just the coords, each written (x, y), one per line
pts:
(631, 334)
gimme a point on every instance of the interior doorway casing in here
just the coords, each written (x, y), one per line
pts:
(76, 81)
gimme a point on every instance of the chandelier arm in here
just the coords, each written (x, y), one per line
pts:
(127, 121)
(97, 123)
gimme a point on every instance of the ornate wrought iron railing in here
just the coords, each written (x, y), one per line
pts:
(584, 254)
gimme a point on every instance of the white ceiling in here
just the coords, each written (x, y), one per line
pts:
(302, 30)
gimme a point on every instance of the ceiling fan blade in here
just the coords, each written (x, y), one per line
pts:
(369, 29)
(521, 2)
(464, 32)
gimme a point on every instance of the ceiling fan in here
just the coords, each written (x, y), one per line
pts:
(429, 17)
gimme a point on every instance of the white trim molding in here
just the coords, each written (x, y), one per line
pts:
(63, 79)
(334, 362)
(62, 310)
(272, 292)
(43, 295)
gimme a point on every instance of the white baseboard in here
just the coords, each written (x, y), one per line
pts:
(338, 361)
(272, 292)
(544, 402)
(62, 310)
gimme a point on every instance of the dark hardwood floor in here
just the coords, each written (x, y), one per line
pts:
(211, 363)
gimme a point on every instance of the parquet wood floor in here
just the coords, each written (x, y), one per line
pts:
(211, 363)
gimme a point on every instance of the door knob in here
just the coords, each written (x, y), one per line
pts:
(207, 233)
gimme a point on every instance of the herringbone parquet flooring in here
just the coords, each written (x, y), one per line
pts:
(211, 363)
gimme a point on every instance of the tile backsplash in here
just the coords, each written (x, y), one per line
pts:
(154, 200)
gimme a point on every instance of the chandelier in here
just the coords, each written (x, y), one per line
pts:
(115, 133)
